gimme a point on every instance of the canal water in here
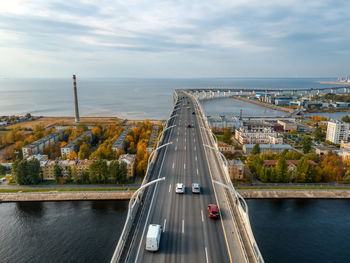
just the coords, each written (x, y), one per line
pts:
(288, 230)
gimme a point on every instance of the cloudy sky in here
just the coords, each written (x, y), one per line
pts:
(179, 38)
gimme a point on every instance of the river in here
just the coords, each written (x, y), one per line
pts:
(289, 230)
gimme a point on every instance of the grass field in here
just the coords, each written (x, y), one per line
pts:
(67, 190)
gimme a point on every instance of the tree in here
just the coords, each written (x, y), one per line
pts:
(76, 177)
(318, 134)
(69, 174)
(33, 171)
(72, 155)
(256, 149)
(227, 135)
(57, 172)
(292, 155)
(282, 170)
(305, 171)
(114, 171)
(293, 131)
(98, 172)
(123, 172)
(26, 172)
(84, 151)
(346, 118)
(2, 170)
(306, 144)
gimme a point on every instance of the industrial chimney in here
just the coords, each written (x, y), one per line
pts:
(77, 119)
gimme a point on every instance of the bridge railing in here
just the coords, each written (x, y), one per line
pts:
(129, 223)
(242, 211)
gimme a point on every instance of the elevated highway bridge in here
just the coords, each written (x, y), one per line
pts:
(187, 153)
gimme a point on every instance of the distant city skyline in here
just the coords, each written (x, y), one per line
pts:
(175, 39)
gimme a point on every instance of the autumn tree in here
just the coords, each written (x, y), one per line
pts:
(76, 176)
(98, 172)
(57, 172)
(281, 169)
(72, 155)
(306, 144)
(84, 151)
(292, 155)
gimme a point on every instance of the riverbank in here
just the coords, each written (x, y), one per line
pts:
(126, 194)
(295, 193)
(274, 107)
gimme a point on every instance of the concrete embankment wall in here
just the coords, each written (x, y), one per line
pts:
(65, 196)
(264, 104)
(302, 193)
(126, 195)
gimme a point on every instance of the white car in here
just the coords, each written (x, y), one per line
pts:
(196, 189)
(180, 188)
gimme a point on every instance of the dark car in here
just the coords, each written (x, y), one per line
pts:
(189, 126)
(193, 113)
(213, 211)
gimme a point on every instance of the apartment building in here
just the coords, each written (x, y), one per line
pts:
(236, 169)
(258, 135)
(119, 143)
(337, 131)
(38, 146)
(70, 146)
(152, 139)
(129, 159)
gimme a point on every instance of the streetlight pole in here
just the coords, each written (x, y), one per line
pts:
(216, 138)
(163, 132)
(221, 155)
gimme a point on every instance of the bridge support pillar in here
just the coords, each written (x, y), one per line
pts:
(229, 93)
(218, 92)
(241, 92)
(332, 91)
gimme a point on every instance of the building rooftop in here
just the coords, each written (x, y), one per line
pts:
(153, 136)
(277, 146)
(72, 143)
(43, 140)
(118, 143)
(128, 158)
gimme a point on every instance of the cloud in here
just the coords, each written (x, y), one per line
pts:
(156, 38)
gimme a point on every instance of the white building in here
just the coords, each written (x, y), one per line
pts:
(337, 131)
(65, 151)
(258, 135)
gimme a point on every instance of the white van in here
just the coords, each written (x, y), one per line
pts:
(153, 237)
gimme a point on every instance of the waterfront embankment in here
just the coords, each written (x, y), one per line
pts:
(274, 107)
(295, 193)
(126, 195)
(65, 196)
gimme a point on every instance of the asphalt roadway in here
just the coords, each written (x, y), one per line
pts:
(189, 235)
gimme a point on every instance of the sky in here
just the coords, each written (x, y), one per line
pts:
(175, 39)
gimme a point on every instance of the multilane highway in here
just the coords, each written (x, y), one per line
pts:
(189, 235)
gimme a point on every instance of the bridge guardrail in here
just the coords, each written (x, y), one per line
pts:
(243, 213)
(128, 224)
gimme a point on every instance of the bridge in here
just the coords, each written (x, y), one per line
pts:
(187, 153)
(217, 92)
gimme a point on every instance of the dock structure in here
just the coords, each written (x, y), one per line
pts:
(68, 148)
(152, 139)
(38, 146)
(119, 143)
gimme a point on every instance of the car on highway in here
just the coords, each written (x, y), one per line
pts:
(153, 237)
(196, 189)
(189, 126)
(193, 113)
(180, 188)
(213, 211)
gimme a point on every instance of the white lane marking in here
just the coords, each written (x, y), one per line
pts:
(185, 147)
(194, 140)
(197, 172)
(169, 188)
(177, 139)
(173, 165)
(164, 225)
(195, 148)
(202, 215)
(175, 148)
(183, 226)
(184, 166)
(206, 254)
(185, 139)
(196, 157)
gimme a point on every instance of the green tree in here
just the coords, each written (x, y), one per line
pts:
(227, 136)
(19, 172)
(69, 174)
(256, 149)
(123, 172)
(75, 175)
(84, 151)
(98, 172)
(292, 155)
(114, 171)
(306, 144)
(33, 171)
(281, 170)
(57, 173)
(305, 171)
(346, 118)
(2, 170)
(318, 134)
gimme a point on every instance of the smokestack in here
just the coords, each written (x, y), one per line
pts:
(77, 119)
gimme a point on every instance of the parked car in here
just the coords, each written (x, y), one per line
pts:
(213, 211)
(196, 189)
(180, 188)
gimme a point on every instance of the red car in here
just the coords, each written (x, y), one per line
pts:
(213, 211)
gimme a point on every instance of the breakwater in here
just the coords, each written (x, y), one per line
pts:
(295, 193)
(274, 107)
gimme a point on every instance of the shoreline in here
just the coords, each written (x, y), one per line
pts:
(126, 195)
(274, 107)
